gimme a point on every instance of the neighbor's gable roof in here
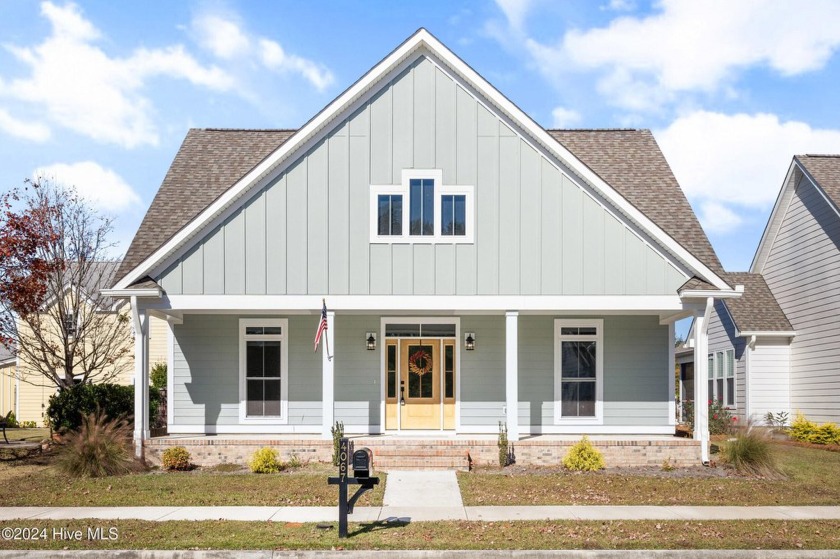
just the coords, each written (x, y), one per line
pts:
(154, 244)
(757, 309)
(823, 171)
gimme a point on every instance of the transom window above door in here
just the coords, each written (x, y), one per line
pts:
(422, 210)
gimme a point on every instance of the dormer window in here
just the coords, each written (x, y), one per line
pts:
(434, 212)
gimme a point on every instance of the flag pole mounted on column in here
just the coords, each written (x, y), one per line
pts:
(322, 327)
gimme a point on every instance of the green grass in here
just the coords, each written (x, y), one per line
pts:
(743, 534)
(811, 479)
(36, 483)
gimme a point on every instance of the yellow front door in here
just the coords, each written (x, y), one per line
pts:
(420, 384)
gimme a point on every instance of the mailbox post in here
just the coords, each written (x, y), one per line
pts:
(362, 461)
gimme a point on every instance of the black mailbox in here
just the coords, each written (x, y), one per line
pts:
(362, 463)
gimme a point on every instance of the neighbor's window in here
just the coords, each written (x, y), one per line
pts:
(730, 377)
(263, 363)
(579, 368)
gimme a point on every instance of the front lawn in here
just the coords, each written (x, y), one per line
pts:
(30, 434)
(811, 480)
(36, 483)
(736, 534)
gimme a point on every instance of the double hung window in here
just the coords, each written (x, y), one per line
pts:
(579, 370)
(263, 365)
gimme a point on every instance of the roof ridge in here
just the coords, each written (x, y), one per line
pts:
(247, 129)
(827, 155)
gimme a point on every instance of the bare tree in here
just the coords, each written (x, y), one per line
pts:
(52, 315)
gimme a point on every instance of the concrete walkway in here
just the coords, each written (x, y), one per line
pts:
(424, 513)
(423, 495)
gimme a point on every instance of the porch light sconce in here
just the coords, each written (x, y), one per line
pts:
(469, 341)
(370, 340)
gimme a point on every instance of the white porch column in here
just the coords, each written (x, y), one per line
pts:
(512, 374)
(140, 320)
(701, 379)
(672, 367)
(328, 379)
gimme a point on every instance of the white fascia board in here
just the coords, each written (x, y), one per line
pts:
(302, 137)
(649, 304)
(765, 334)
(128, 293)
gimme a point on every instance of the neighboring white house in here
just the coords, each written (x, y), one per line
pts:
(476, 268)
(785, 330)
(749, 353)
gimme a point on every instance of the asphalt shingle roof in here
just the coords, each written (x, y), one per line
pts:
(826, 171)
(210, 161)
(756, 310)
(631, 162)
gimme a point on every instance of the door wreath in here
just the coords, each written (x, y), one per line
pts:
(420, 362)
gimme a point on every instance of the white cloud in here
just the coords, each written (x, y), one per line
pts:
(104, 188)
(220, 36)
(79, 86)
(33, 131)
(225, 38)
(731, 164)
(686, 46)
(515, 11)
(564, 118)
(621, 5)
(274, 58)
(717, 218)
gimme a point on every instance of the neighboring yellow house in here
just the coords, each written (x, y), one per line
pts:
(27, 392)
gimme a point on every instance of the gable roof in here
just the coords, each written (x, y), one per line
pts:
(208, 163)
(143, 257)
(631, 162)
(825, 169)
(757, 309)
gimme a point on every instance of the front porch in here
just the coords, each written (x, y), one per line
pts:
(458, 452)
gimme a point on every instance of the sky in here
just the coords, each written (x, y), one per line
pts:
(100, 94)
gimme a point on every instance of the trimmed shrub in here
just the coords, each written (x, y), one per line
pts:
(158, 375)
(584, 456)
(805, 430)
(69, 405)
(751, 453)
(27, 425)
(265, 461)
(176, 458)
(100, 447)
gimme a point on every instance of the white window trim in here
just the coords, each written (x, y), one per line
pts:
(598, 338)
(441, 189)
(729, 358)
(719, 361)
(283, 337)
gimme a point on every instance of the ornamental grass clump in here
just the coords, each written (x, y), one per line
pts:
(265, 461)
(176, 458)
(751, 454)
(584, 457)
(99, 447)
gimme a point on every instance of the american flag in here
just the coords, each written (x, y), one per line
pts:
(322, 326)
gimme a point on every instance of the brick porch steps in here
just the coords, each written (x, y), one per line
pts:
(412, 457)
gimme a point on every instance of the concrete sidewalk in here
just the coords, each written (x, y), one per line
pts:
(424, 513)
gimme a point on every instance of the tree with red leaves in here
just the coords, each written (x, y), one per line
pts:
(54, 259)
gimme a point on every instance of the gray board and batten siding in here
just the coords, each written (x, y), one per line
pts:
(538, 232)
(801, 270)
(206, 373)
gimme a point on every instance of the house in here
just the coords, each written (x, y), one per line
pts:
(26, 391)
(748, 352)
(784, 332)
(475, 269)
